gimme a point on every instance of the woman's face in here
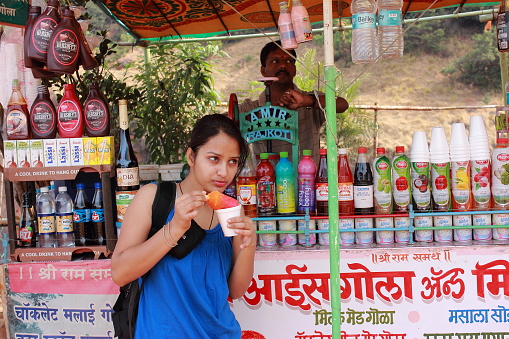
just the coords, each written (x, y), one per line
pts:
(216, 162)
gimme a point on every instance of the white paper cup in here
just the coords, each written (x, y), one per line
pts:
(477, 127)
(458, 135)
(419, 147)
(438, 140)
(226, 213)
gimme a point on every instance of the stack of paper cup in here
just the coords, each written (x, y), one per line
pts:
(478, 139)
(419, 151)
(459, 147)
(438, 147)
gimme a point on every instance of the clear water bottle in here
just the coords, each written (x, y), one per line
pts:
(64, 213)
(45, 207)
(364, 35)
(390, 30)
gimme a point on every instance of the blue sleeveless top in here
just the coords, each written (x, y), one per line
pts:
(187, 298)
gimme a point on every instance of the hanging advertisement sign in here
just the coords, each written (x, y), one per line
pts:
(14, 12)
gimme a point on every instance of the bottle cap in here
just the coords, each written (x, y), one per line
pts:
(264, 156)
(62, 189)
(80, 186)
(502, 140)
(283, 154)
(361, 150)
(342, 151)
(45, 189)
(323, 151)
(400, 149)
(306, 152)
(98, 185)
(15, 84)
(380, 150)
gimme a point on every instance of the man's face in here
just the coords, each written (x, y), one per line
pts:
(279, 64)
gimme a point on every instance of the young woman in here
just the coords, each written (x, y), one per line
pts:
(187, 298)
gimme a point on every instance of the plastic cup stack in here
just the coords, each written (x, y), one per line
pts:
(438, 147)
(459, 147)
(478, 139)
(419, 152)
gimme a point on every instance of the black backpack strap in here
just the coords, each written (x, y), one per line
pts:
(164, 201)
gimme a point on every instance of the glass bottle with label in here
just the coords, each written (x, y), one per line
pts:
(17, 118)
(345, 184)
(363, 184)
(322, 185)
(127, 170)
(97, 113)
(27, 223)
(246, 190)
(43, 115)
(70, 114)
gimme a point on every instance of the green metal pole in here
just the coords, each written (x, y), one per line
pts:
(332, 166)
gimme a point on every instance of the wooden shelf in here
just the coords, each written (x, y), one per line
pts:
(31, 254)
(53, 173)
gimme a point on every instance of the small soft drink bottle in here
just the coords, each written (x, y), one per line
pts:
(306, 183)
(266, 186)
(246, 190)
(322, 185)
(97, 216)
(285, 185)
(345, 184)
(81, 215)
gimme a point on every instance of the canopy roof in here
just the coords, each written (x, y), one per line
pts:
(183, 18)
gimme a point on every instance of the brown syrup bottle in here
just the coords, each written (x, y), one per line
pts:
(16, 121)
(33, 14)
(42, 30)
(64, 47)
(43, 115)
(87, 59)
(97, 113)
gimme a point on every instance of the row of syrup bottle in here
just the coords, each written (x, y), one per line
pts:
(70, 119)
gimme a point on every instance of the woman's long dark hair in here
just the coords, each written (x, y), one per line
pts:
(211, 125)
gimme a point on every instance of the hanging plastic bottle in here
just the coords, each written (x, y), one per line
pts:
(345, 184)
(301, 22)
(306, 184)
(390, 30)
(364, 35)
(285, 185)
(286, 32)
(503, 26)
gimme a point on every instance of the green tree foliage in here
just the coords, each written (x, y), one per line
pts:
(355, 126)
(177, 86)
(480, 66)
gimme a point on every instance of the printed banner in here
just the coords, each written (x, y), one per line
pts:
(455, 292)
(14, 12)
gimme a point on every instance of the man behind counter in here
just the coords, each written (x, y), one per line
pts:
(276, 62)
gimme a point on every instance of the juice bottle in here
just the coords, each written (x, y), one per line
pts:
(440, 184)
(500, 175)
(460, 184)
(96, 113)
(480, 181)
(421, 193)
(301, 22)
(286, 32)
(322, 185)
(43, 115)
(363, 184)
(266, 186)
(285, 185)
(17, 118)
(345, 184)
(401, 180)
(306, 187)
(382, 180)
(70, 114)
(246, 190)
